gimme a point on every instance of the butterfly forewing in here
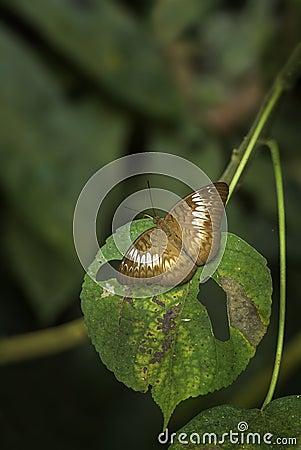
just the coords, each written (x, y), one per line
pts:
(187, 237)
(201, 225)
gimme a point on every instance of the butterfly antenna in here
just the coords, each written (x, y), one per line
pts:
(132, 209)
(151, 199)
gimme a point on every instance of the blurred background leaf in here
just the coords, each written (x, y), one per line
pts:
(49, 150)
(109, 46)
(83, 82)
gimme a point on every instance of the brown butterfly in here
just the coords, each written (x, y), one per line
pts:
(186, 238)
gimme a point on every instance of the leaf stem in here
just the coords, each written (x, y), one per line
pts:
(272, 145)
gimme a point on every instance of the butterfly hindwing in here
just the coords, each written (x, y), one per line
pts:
(156, 259)
(199, 216)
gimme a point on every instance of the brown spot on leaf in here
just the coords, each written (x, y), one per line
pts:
(157, 357)
(167, 324)
(158, 302)
(167, 343)
(243, 314)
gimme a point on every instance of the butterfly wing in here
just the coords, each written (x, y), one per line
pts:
(197, 220)
(155, 259)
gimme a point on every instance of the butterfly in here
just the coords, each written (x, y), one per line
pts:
(188, 237)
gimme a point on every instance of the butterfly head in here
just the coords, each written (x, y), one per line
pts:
(157, 220)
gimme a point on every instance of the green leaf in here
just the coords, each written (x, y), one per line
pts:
(281, 419)
(166, 341)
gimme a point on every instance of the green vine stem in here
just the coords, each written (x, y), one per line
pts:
(60, 338)
(272, 145)
(43, 342)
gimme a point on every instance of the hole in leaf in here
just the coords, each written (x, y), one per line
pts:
(214, 299)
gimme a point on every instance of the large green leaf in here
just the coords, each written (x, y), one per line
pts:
(166, 341)
(278, 426)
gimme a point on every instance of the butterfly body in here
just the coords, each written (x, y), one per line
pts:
(186, 238)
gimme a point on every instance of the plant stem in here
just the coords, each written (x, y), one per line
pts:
(272, 145)
(42, 343)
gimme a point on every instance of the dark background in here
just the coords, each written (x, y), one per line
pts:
(83, 82)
